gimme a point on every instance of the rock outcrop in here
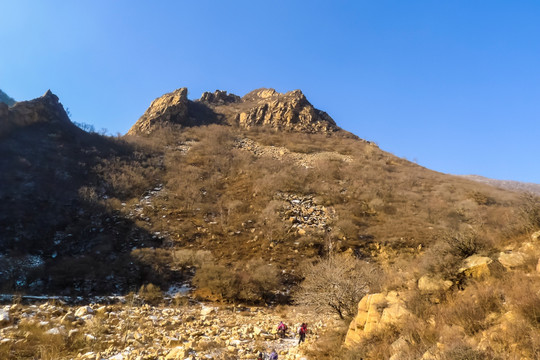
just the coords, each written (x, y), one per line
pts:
(46, 108)
(263, 107)
(170, 108)
(374, 312)
(290, 111)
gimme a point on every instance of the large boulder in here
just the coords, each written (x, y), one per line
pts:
(431, 284)
(374, 312)
(512, 259)
(477, 266)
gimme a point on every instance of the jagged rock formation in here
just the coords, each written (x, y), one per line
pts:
(170, 108)
(46, 108)
(4, 98)
(263, 107)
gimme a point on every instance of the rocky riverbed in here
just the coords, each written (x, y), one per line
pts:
(53, 330)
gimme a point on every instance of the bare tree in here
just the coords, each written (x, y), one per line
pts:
(336, 284)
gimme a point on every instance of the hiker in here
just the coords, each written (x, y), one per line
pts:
(302, 333)
(273, 355)
(261, 356)
(281, 329)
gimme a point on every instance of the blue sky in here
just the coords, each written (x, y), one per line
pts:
(453, 85)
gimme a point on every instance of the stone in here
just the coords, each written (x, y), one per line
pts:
(4, 317)
(178, 352)
(512, 259)
(374, 312)
(477, 266)
(431, 284)
(83, 310)
(53, 331)
(207, 310)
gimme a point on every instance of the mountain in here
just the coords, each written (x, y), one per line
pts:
(506, 184)
(257, 199)
(4, 98)
(245, 181)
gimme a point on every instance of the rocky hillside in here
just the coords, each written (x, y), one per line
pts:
(4, 98)
(262, 107)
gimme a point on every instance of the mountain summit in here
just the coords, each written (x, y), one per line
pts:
(290, 111)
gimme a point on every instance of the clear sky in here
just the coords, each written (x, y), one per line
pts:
(453, 85)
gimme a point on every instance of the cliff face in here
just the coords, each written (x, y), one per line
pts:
(263, 107)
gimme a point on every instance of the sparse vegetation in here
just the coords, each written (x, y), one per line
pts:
(337, 284)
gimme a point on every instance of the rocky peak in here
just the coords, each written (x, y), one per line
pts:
(169, 108)
(45, 109)
(290, 111)
(219, 97)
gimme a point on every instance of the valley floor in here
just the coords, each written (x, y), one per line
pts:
(51, 330)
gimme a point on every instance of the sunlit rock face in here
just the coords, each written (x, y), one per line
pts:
(263, 107)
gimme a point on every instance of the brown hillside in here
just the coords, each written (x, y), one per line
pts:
(237, 190)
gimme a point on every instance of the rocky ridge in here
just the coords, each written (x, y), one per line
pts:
(46, 108)
(263, 107)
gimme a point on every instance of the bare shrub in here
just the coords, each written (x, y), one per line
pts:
(151, 294)
(187, 258)
(218, 279)
(258, 281)
(375, 346)
(464, 243)
(463, 351)
(471, 307)
(529, 212)
(254, 284)
(336, 284)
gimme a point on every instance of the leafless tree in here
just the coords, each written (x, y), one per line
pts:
(336, 284)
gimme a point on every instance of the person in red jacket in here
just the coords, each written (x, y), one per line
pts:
(302, 333)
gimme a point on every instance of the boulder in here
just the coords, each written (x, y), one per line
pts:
(374, 312)
(512, 259)
(83, 310)
(178, 352)
(431, 284)
(477, 266)
(207, 310)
